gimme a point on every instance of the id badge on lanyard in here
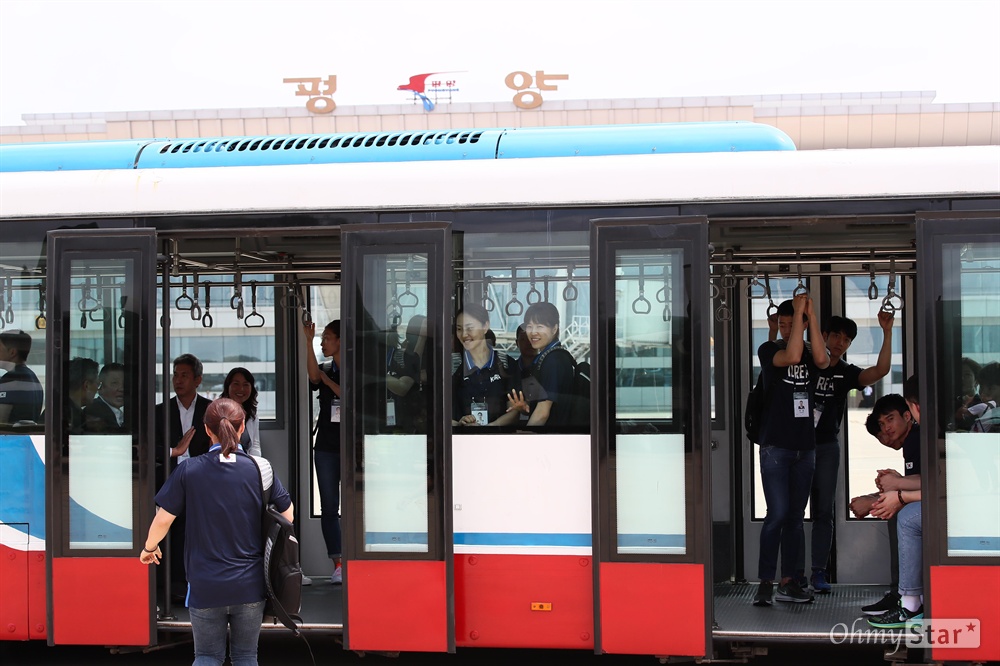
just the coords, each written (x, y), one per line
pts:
(481, 412)
(390, 412)
(335, 411)
(800, 400)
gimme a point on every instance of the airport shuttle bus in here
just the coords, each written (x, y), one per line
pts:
(632, 525)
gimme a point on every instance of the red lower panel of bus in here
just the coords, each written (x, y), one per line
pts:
(656, 609)
(397, 606)
(22, 594)
(966, 593)
(525, 601)
(100, 601)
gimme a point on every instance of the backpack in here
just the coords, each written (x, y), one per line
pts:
(579, 409)
(754, 411)
(282, 571)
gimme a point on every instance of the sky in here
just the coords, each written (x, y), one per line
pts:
(65, 56)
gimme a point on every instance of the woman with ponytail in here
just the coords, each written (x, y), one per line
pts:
(223, 553)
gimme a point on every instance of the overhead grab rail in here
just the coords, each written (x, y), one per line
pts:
(206, 319)
(641, 304)
(890, 291)
(40, 321)
(195, 306)
(872, 288)
(514, 307)
(254, 316)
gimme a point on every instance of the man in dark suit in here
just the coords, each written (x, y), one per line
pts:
(106, 414)
(189, 439)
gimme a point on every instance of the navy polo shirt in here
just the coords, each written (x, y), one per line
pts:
(222, 505)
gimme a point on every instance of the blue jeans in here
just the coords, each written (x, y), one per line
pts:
(328, 477)
(911, 561)
(786, 477)
(209, 626)
(824, 497)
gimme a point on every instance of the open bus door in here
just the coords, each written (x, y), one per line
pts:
(651, 436)
(99, 477)
(395, 453)
(958, 303)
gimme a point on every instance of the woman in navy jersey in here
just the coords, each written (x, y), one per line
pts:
(486, 376)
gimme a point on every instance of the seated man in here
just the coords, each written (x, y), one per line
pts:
(901, 499)
(21, 395)
(893, 425)
(107, 412)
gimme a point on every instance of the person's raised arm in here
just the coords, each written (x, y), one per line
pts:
(882, 366)
(312, 366)
(820, 354)
(792, 353)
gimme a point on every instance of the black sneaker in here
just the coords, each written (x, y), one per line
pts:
(884, 605)
(791, 591)
(897, 618)
(763, 596)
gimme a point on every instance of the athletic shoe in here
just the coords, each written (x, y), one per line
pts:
(306, 580)
(818, 582)
(763, 596)
(897, 618)
(791, 591)
(338, 576)
(884, 605)
(801, 580)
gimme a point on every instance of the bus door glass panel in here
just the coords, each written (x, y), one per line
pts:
(99, 472)
(649, 446)
(968, 330)
(395, 452)
(781, 290)
(98, 414)
(865, 455)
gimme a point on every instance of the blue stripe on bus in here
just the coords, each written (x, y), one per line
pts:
(651, 541)
(974, 543)
(522, 539)
(393, 538)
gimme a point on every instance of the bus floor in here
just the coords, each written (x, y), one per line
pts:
(322, 611)
(837, 614)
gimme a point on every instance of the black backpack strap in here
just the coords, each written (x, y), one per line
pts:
(279, 611)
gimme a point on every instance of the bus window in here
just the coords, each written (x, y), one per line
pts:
(969, 377)
(514, 277)
(22, 341)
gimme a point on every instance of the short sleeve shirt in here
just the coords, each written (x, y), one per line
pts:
(327, 430)
(21, 389)
(788, 420)
(490, 384)
(552, 379)
(832, 386)
(222, 505)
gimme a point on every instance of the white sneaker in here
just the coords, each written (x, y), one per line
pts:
(338, 576)
(306, 580)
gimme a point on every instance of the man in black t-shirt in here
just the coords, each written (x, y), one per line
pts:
(832, 387)
(787, 445)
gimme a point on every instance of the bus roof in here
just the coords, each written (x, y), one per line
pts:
(482, 184)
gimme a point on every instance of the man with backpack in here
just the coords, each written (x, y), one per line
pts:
(787, 445)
